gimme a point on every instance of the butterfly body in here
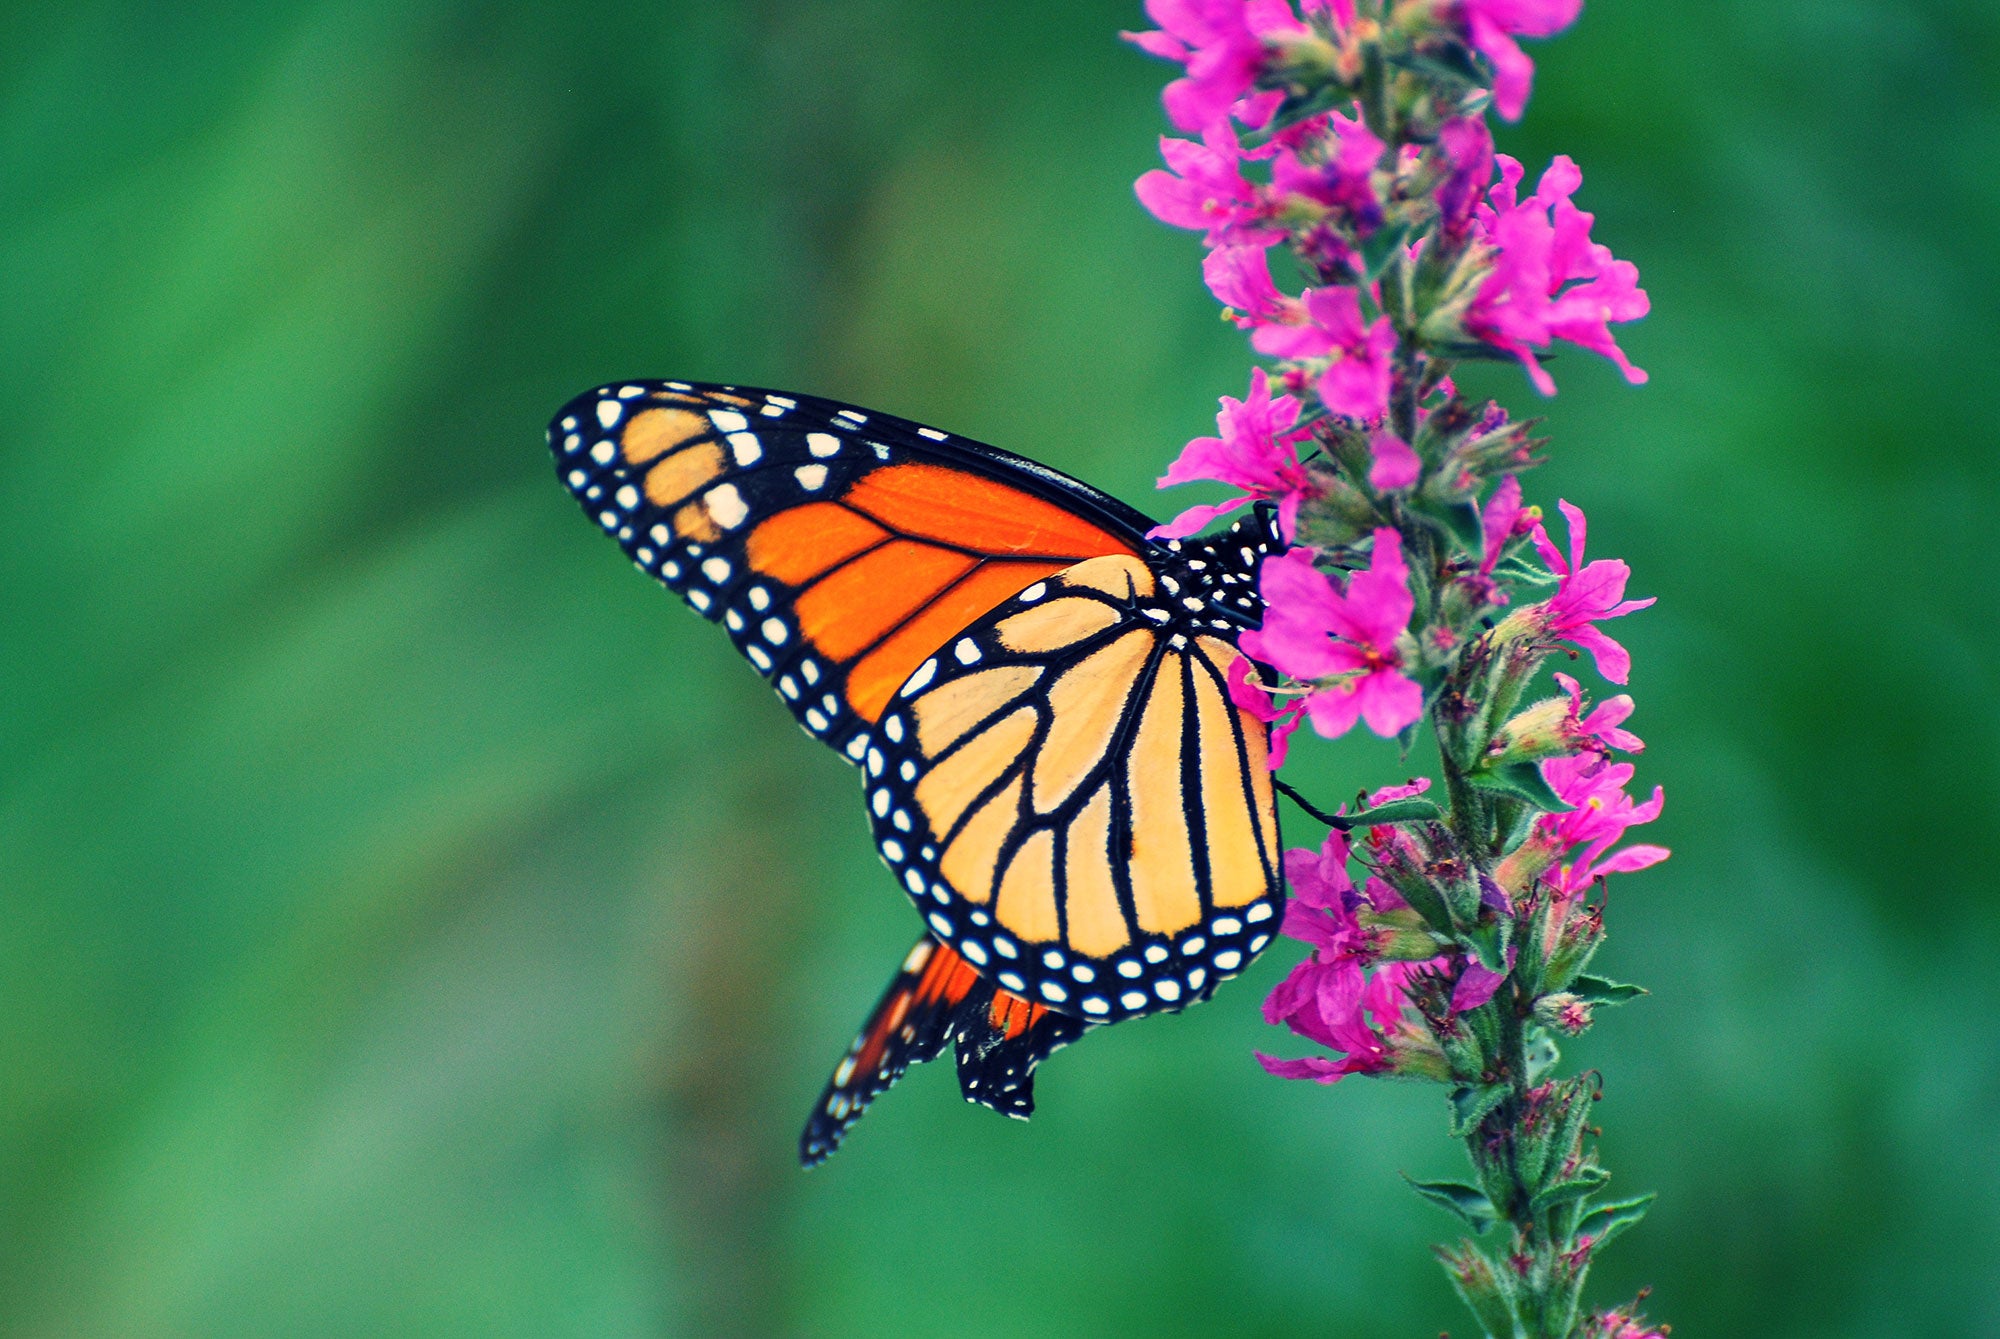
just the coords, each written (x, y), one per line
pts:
(1035, 694)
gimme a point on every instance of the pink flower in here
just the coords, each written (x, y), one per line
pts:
(1344, 180)
(1549, 280)
(1621, 1324)
(1240, 277)
(1332, 1003)
(1344, 641)
(1601, 815)
(1491, 26)
(1205, 188)
(1257, 451)
(1584, 595)
(1468, 146)
(1598, 732)
(1223, 43)
(1322, 323)
(1476, 985)
(1499, 521)
(1395, 466)
(1253, 698)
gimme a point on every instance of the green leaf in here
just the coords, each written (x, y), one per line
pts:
(1470, 1105)
(1488, 1290)
(1608, 1220)
(1523, 781)
(1580, 1186)
(1598, 990)
(1449, 60)
(1412, 810)
(1459, 519)
(1466, 1201)
(1382, 246)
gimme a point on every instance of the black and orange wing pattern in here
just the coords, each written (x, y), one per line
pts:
(1036, 692)
(1074, 803)
(935, 998)
(837, 546)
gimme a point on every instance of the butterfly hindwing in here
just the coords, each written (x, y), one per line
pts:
(1073, 802)
(838, 547)
(937, 997)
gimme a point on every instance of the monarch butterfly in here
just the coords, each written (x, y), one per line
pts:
(1035, 693)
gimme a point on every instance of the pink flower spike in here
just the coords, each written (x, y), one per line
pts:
(1586, 594)
(1395, 466)
(1257, 451)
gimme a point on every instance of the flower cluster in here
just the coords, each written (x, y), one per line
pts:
(1365, 235)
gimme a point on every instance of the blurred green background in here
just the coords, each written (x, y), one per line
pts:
(412, 922)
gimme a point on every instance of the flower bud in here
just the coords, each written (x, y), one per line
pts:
(1540, 731)
(1563, 1010)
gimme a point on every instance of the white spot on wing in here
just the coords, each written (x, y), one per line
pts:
(603, 451)
(608, 412)
(932, 433)
(811, 477)
(726, 420)
(822, 444)
(726, 505)
(746, 448)
(920, 680)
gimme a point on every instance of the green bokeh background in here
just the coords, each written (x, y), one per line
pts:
(413, 923)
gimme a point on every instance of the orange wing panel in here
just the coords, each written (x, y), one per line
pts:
(955, 507)
(876, 677)
(797, 545)
(865, 600)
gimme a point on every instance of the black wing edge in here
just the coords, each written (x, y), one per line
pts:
(920, 439)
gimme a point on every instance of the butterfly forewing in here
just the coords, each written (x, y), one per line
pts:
(839, 548)
(1074, 803)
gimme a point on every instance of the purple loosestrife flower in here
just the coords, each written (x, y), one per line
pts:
(1254, 698)
(1549, 280)
(1585, 595)
(1491, 27)
(1599, 731)
(1468, 147)
(1342, 180)
(1257, 451)
(1342, 641)
(1322, 323)
(1224, 44)
(1394, 466)
(1203, 187)
(1601, 814)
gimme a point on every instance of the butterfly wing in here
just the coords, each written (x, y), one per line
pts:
(1072, 800)
(936, 997)
(838, 547)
